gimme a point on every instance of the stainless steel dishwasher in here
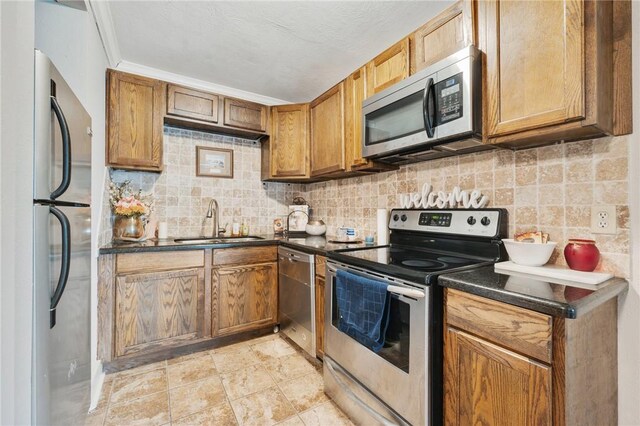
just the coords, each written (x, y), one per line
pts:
(296, 291)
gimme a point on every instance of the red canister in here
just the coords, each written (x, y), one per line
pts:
(582, 255)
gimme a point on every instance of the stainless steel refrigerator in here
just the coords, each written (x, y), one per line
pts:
(62, 251)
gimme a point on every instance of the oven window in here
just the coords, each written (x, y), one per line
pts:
(396, 339)
(401, 118)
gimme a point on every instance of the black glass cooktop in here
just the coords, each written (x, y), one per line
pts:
(405, 262)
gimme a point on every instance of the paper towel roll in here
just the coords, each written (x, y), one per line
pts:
(383, 226)
(163, 230)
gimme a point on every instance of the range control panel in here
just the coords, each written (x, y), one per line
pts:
(468, 222)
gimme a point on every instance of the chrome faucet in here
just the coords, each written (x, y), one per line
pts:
(213, 212)
(287, 232)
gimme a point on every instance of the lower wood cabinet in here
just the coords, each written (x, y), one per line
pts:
(506, 365)
(244, 297)
(158, 309)
(488, 384)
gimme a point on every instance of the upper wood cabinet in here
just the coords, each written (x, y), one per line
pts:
(388, 68)
(549, 71)
(190, 103)
(135, 111)
(245, 115)
(450, 31)
(327, 132)
(289, 142)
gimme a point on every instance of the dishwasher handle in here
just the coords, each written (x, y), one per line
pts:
(293, 256)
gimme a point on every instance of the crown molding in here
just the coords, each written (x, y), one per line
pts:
(195, 83)
(102, 17)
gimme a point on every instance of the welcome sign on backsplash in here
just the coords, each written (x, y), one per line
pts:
(428, 199)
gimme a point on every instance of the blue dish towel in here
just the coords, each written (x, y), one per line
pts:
(363, 304)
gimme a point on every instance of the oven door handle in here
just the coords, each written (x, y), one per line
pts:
(408, 292)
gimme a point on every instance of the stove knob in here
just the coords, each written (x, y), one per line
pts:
(403, 218)
(485, 221)
(395, 217)
(471, 220)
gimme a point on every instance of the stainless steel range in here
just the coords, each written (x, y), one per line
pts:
(400, 381)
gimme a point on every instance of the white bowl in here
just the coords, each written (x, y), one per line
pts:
(315, 228)
(529, 254)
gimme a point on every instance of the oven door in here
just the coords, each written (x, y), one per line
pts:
(396, 375)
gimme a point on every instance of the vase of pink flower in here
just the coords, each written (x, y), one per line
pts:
(130, 212)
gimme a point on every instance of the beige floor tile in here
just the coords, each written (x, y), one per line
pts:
(274, 348)
(95, 418)
(135, 386)
(327, 414)
(148, 410)
(236, 347)
(191, 370)
(289, 367)
(195, 397)
(141, 369)
(292, 421)
(305, 392)
(263, 408)
(246, 381)
(105, 393)
(218, 415)
(188, 357)
(235, 360)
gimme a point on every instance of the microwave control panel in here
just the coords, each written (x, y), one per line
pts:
(449, 99)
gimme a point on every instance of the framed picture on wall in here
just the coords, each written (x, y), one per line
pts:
(214, 162)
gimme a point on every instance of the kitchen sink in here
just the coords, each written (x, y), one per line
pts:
(219, 240)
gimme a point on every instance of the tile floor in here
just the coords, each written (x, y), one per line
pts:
(264, 381)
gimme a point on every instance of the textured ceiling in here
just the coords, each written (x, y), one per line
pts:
(287, 50)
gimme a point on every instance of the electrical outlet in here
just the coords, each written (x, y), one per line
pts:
(603, 219)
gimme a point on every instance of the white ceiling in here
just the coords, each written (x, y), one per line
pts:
(291, 51)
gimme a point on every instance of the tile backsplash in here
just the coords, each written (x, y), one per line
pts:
(550, 188)
(181, 198)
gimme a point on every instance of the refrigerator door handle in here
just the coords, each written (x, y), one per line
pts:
(66, 150)
(65, 263)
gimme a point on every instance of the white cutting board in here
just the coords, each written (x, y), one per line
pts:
(556, 272)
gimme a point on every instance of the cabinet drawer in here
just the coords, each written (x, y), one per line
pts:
(245, 115)
(130, 262)
(321, 264)
(189, 103)
(518, 329)
(245, 255)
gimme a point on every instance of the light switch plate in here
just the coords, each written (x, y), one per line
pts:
(603, 219)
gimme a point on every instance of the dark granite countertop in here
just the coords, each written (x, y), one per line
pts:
(535, 293)
(310, 244)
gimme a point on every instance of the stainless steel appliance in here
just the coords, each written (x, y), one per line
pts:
(401, 383)
(296, 291)
(62, 251)
(434, 113)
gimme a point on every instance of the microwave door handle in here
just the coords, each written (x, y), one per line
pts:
(66, 150)
(428, 102)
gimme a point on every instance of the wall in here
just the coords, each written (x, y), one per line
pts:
(181, 198)
(550, 188)
(70, 38)
(16, 217)
(629, 316)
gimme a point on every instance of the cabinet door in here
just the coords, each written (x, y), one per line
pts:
(135, 112)
(355, 93)
(289, 144)
(388, 68)
(245, 115)
(327, 132)
(319, 316)
(189, 103)
(487, 384)
(244, 297)
(158, 309)
(442, 36)
(534, 64)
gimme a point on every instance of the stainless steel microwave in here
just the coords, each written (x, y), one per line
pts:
(434, 113)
